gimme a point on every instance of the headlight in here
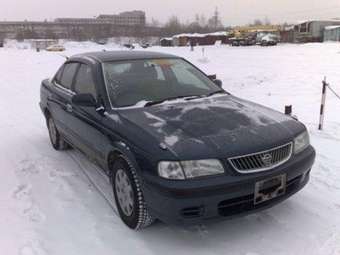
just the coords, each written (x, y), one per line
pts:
(170, 170)
(189, 169)
(301, 142)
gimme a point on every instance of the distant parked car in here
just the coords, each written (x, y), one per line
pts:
(1, 44)
(101, 41)
(247, 41)
(174, 144)
(235, 42)
(129, 46)
(269, 40)
(55, 47)
(145, 45)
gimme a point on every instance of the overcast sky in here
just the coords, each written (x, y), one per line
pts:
(232, 12)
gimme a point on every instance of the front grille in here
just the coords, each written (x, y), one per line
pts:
(262, 161)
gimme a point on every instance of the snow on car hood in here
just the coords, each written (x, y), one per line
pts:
(216, 126)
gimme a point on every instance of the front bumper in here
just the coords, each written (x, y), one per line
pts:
(221, 197)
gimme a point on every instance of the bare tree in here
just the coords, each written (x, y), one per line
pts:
(155, 23)
(173, 26)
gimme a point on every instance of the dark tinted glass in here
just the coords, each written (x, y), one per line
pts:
(68, 75)
(84, 83)
(137, 81)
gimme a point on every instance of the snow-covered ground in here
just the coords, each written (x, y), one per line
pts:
(59, 203)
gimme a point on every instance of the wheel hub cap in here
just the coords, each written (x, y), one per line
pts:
(124, 192)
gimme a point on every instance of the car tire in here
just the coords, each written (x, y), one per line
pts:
(56, 139)
(128, 195)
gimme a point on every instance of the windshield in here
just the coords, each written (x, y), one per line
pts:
(151, 80)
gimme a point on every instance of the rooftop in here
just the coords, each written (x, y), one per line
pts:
(107, 56)
(331, 27)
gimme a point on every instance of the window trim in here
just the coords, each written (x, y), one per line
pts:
(59, 86)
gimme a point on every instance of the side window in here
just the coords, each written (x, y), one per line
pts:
(68, 75)
(84, 83)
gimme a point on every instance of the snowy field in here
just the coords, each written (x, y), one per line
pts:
(59, 203)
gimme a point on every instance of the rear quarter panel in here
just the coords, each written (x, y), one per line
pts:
(45, 91)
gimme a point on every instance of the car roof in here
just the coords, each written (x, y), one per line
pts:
(108, 56)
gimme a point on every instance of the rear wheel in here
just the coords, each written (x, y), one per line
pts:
(57, 141)
(128, 195)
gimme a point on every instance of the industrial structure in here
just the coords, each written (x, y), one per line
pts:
(312, 30)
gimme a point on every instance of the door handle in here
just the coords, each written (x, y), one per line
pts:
(69, 108)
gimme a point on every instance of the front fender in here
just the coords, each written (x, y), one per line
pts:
(122, 148)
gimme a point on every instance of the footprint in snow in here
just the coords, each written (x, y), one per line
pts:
(34, 214)
(28, 167)
(56, 173)
(22, 192)
(27, 207)
(32, 248)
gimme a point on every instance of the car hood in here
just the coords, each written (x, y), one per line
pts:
(214, 127)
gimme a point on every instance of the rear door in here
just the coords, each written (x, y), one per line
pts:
(60, 101)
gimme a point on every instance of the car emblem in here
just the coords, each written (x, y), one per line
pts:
(267, 159)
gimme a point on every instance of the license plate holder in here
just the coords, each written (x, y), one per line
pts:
(269, 189)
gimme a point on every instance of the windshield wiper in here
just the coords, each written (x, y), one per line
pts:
(187, 97)
(170, 99)
(217, 92)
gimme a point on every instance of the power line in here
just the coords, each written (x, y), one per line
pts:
(336, 94)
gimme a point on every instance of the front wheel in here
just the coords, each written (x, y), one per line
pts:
(128, 195)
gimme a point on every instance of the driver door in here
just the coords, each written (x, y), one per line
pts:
(88, 121)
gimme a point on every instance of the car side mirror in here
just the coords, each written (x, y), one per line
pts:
(218, 83)
(85, 100)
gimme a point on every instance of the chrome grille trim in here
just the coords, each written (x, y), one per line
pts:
(260, 161)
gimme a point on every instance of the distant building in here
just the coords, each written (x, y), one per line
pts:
(200, 39)
(42, 44)
(166, 42)
(106, 18)
(104, 26)
(313, 30)
(133, 18)
(76, 20)
(332, 33)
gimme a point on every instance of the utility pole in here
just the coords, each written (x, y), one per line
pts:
(216, 18)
